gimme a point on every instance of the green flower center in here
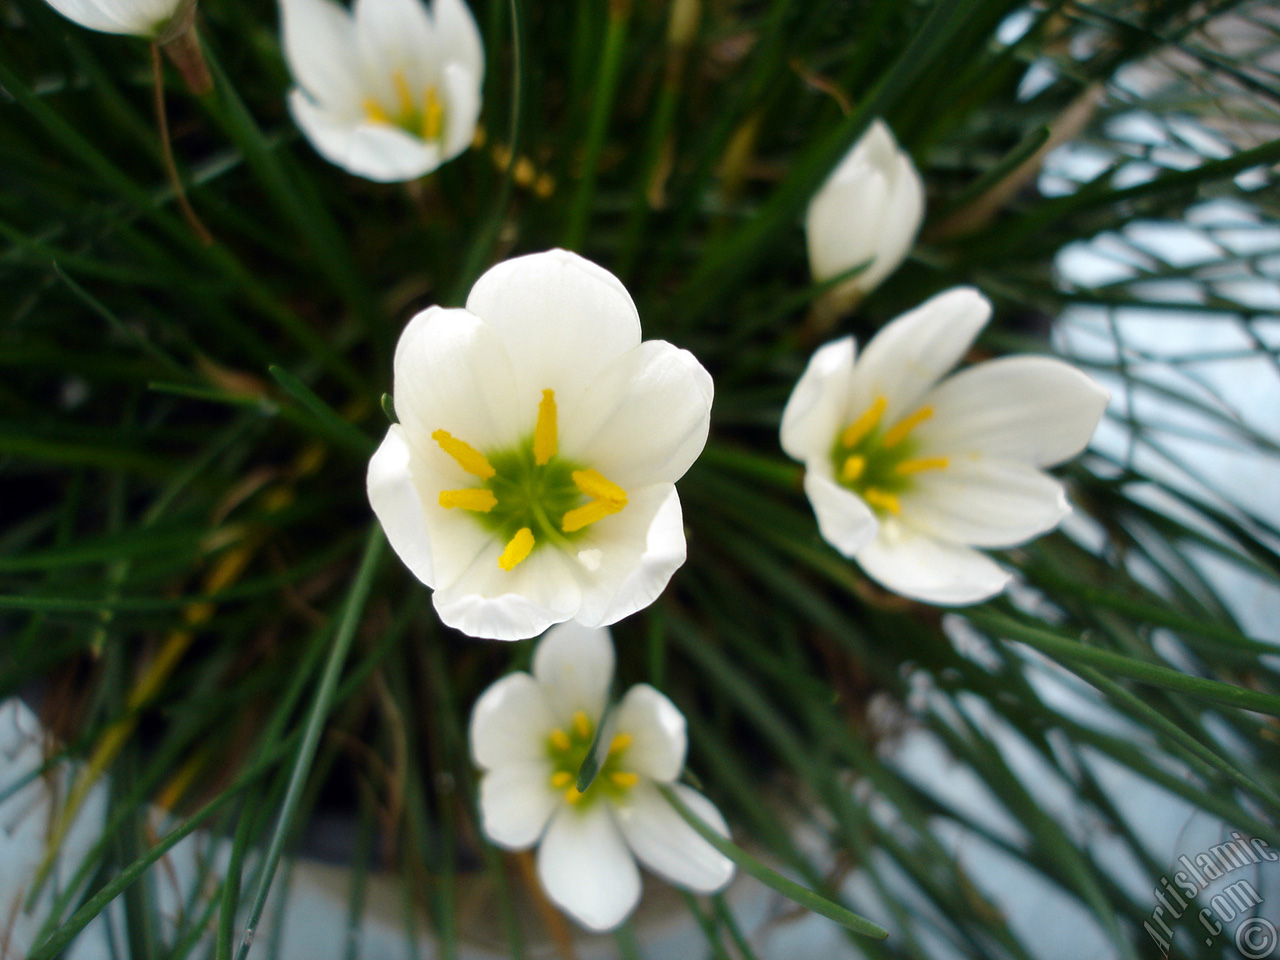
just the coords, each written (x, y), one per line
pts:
(530, 495)
(878, 463)
(421, 117)
(568, 750)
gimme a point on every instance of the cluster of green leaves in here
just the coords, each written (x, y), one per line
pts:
(193, 593)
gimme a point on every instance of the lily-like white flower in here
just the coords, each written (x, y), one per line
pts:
(150, 19)
(390, 91)
(531, 477)
(530, 736)
(869, 209)
(907, 474)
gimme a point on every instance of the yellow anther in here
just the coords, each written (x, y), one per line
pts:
(898, 432)
(624, 779)
(870, 419)
(404, 96)
(599, 487)
(560, 740)
(561, 779)
(620, 743)
(882, 501)
(573, 794)
(432, 115)
(519, 547)
(546, 435)
(373, 110)
(853, 467)
(582, 725)
(908, 467)
(477, 499)
(469, 458)
(589, 513)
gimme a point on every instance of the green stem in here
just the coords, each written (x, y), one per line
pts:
(315, 724)
(771, 878)
(606, 86)
(1060, 648)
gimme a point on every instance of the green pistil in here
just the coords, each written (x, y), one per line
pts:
(568, 749)
(531, 495)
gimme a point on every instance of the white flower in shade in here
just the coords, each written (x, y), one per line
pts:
(530, 735)
(907, 474)
(150, 19)
(531, 477)
(389, 91)
(869, 209)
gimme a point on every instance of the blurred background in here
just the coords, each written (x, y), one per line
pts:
(186, 542)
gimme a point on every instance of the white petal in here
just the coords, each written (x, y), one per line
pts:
(562, 318)
(904, 360)
(667, 845)
(869, 209)
(935, 571)
(375, 151)
(1035, 409)
(459, 37)
(897, 230)
(985, 503)
(630, 556)
(656, 726)
(320, 45)
(516, 801)
(487, 601)
(844, 519)
(462, 109)
(644, 419)
(510, 723)
(452, 372)
(396, 36)
(586, 868)
(108, 17)
(398, 505)
(843, 224)
(574, 664)
(819, 405)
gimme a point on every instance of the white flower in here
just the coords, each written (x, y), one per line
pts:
(150, 19)
(531, 477)
(390, 91)
(530, 735)
(869, 209)
(907, 474)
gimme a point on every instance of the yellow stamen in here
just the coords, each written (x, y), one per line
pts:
(908, 467)
(514, 553)
(588, 514)
(561, 779)
(469, 458)
(898, 432)
(582, 725)
(546, 436)
(870, 418)
(477, 499)
(624, 779)
(432, 115)
(373, 110)
(560, 740)
(853, 467)
(404, 96)
(599, 487)
(573, 794)
(882, 500)
(620, 743)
